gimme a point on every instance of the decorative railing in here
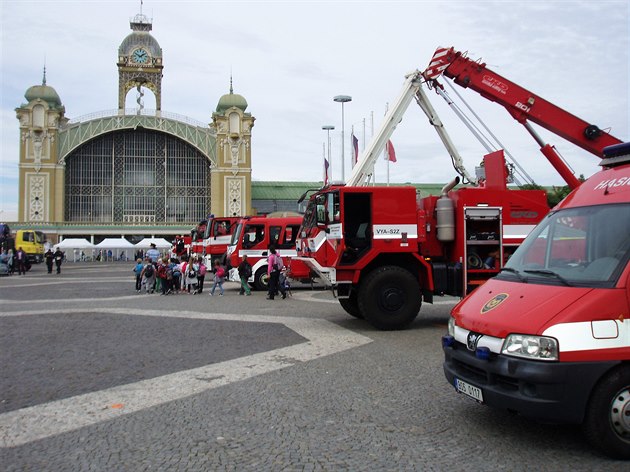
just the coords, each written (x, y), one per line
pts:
(97, 115)
(87, 127)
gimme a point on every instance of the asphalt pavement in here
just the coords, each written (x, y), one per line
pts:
(97, 377)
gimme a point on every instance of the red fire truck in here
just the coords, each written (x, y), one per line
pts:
(212, 236)
(384, 250)
(252, 237)
(549, 337)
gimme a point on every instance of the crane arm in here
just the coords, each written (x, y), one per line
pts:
(522, 104)
(412, 88)
(365, 164)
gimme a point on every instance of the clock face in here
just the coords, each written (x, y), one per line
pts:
(140, 56)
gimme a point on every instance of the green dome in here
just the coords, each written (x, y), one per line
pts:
(44, 92)
(230, 100)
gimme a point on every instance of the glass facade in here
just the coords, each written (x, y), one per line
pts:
(137, 176)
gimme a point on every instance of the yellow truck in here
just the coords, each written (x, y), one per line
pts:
(31, 242)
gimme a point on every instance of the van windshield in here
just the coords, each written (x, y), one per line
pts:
(583, 247)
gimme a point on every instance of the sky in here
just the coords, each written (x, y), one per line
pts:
(290, 58)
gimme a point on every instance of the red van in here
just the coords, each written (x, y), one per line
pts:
(549, 337)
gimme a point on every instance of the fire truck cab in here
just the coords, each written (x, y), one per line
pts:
(212, 236)
(549, 336)
(253, 236)
(385, 250)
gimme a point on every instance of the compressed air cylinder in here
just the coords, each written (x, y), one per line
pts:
(445, 209)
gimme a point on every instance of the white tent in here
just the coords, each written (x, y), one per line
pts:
(78, 246)
(75, 243)
(119, 247)
(160, 243)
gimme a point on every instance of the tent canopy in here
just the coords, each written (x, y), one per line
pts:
(160, 243)
(115, 243)
(75, 243)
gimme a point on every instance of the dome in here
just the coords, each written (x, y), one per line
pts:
(44, 92)
(140, 38)
(230, 100)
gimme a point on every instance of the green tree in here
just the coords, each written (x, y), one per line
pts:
(554, 195)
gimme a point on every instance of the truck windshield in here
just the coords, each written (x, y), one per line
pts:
(236, 235)
(322, 209)
(584, 247)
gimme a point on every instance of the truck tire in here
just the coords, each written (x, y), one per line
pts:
(607, 421)
(351, 305)
(389, 298)
(261, 279)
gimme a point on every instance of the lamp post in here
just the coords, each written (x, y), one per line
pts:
(343, 99)
(328, 129)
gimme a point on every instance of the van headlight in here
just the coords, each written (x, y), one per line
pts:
(451, 326)
(539, 348)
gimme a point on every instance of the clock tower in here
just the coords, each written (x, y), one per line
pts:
(139, 63)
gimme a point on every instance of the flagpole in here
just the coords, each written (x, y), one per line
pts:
(371, 136)
(386, 150)
(328, 129)
(324, 155)
(353, 159)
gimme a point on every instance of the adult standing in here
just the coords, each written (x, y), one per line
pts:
(274, 266)
(58, 259)
(19, 259)
(11, 261)
(153, 253)
(50, 258)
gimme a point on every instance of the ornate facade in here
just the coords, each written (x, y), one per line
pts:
(132, 167)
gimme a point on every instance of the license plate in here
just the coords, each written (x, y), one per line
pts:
(469, 390)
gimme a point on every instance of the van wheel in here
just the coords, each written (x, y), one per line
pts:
(351, 305)
(607, 421)
(261, 279)
(389, 298)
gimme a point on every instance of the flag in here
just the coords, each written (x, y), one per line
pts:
(326, 165)
(391, 153)
(355, 150)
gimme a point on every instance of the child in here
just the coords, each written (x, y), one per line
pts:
(201, 274)
(219, 275)
(137, 270)
(245, 272)
(148, 276)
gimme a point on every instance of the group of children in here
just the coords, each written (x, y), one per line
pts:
(170, 276)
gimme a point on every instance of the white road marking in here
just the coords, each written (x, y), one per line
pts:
(315, 296)
(39, 422)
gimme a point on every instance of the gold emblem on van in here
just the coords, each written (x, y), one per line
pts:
(494, 302)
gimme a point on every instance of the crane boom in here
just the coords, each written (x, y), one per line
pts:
(412, 88)
(523, 105)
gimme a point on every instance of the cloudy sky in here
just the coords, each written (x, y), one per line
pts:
(290, 58)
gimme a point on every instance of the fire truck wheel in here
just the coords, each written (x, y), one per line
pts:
(261, 279)
(351, 305)
(607, 421)
(389, 298)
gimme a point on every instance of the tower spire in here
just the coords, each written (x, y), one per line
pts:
(44, 77)
(231, 89)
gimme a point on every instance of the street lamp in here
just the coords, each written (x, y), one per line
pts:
(328, 129)
(343, 99)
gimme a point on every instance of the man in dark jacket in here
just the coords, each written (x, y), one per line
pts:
(58, 255)
(50, 257)
(20, 261)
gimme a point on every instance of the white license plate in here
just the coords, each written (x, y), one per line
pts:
(469, 390)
